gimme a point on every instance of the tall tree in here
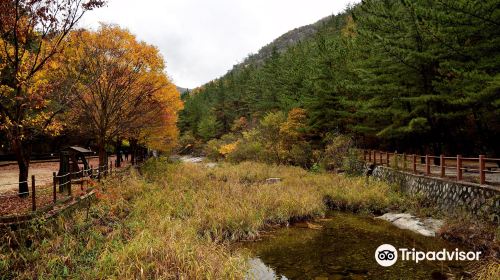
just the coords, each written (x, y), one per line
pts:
(121, 87)
(31, 33)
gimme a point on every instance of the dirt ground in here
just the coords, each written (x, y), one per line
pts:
(9, 174)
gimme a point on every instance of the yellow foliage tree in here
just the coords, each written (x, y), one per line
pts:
(120, 89)
(31, 34)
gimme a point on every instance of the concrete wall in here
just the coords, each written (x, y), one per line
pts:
(448, 195)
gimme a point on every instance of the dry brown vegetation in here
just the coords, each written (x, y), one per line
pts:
(177, 220)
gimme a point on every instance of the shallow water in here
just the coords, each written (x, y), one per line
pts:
(344, 248)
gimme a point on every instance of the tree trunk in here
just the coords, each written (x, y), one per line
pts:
(103, 158)
(118, 150)
(133, 150)
(22, 152)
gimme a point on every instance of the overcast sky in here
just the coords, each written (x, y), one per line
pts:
(201, 40)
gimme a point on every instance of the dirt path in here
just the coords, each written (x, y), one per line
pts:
(9, 174)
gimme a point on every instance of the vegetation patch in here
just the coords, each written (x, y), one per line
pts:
(177, 220)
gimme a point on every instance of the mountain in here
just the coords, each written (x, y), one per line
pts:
(182, 90)
(282, 43)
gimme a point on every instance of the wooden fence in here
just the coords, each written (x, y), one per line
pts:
(62, 185)
(479, 169)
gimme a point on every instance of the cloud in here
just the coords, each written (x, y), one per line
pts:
(202, 40)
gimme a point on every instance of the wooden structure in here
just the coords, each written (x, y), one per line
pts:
(69, 159)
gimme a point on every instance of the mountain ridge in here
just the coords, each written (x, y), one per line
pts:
(283, 42)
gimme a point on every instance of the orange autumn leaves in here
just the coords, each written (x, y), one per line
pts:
(119, 88)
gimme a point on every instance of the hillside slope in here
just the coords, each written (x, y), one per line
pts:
(282, 43)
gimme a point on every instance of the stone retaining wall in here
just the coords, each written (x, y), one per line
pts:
(447, 195)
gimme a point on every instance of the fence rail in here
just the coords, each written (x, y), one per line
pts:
(63, 182)
(476, 169)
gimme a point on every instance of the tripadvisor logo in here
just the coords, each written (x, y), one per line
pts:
(387, 255)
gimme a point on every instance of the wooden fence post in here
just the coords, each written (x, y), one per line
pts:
(459, 168)
(110, 168)
(443, 165)
(380, 157)
(33, 194)
(69, 179)
(387, 159)
(370, 156)
(427, 165)
(396, 160)
(482, 173)
(405, 166)
(54, 187)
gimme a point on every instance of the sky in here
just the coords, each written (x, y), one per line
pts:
(201, 40)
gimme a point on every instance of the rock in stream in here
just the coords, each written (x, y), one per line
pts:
(426, 227)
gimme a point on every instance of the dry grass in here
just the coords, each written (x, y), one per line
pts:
(488, 271)
(177, 220)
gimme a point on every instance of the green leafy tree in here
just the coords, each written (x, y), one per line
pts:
(208, 127)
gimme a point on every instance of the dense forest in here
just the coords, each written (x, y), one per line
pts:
(413, 76)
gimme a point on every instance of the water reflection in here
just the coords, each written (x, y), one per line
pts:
(259, 270)
(343, 248)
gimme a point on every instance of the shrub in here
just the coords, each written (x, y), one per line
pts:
(211, 149)
(189, 144)
(300, 154)
(336, 149)
(352, 163)
(228, 148)
(248, 148)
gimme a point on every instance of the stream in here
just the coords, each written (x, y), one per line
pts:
(342, 246)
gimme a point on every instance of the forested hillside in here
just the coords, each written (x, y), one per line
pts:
(413, 76)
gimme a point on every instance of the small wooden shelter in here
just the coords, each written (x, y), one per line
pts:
(69, 159)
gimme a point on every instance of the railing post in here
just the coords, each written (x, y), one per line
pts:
(482, 173)
(427, 165)
(415, 163)
(459, 168)
(396, 160)
(69, 179)
(387, 159)
(33, 194)
(443, 165)
(60, 179)
(54, 187)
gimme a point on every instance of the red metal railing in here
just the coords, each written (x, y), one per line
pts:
(479, 169)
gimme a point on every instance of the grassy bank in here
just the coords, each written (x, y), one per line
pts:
(176, 221)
